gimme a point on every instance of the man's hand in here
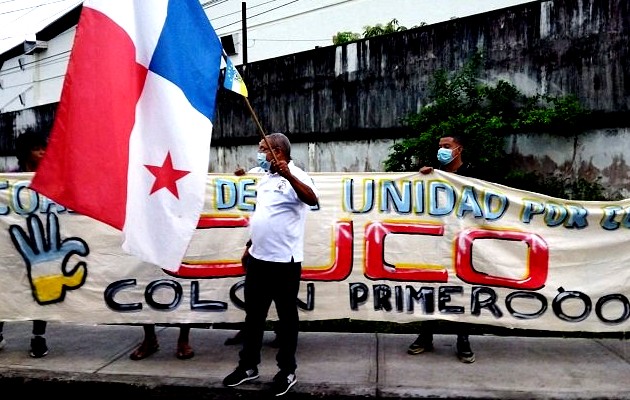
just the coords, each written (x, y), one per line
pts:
(282, 168)
(426, 170)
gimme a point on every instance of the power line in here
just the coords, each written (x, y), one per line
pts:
(261, 13)
(31, 8)
(205, 5)
(290, 40)
(239, 11)
(211, 3)
(7, 1)
(55, 58)
(51, 59)
(35, 81)
(64, 11)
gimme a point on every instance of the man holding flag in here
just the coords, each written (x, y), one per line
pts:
(130, 142)
(274, 256)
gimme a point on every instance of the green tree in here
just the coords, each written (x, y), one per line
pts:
(484, 116)
(345, 37)
(371, 31)
(380, 29)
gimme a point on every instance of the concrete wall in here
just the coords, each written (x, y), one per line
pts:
(346, 94)
(362, 89)
(597, 155)
(274, 30)
(354, 156)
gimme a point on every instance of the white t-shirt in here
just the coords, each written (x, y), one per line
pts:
(277, 225)
(256, 170)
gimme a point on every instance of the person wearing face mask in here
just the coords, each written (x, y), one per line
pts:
(273, 257)
(449, 156)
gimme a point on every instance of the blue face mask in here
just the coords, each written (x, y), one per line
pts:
(262, 161)
(445, 156)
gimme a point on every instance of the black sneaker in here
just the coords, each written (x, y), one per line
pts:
(239, 376)
(421, 344)
(38, 347)
(464, 352)
(282, 382)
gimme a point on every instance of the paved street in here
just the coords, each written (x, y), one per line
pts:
(87, 361)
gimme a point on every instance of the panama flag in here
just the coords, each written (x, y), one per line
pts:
(131, 138)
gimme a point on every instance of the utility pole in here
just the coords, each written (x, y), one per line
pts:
(244, 23)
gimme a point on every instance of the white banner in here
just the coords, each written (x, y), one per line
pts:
(380, 246)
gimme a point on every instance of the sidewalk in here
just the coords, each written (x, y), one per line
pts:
(94, 361)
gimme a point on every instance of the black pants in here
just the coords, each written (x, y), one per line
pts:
(39, 327)
(266, 282)
(428, 328)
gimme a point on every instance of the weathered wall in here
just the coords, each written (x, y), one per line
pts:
(335, 97)
(362, 89)
(342, 104)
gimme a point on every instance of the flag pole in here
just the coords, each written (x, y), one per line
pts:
(260, 128)
(244, 95)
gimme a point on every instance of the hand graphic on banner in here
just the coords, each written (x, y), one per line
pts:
(49, 279)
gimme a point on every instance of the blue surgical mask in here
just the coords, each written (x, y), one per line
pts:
(262, 161)
(445, 156)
